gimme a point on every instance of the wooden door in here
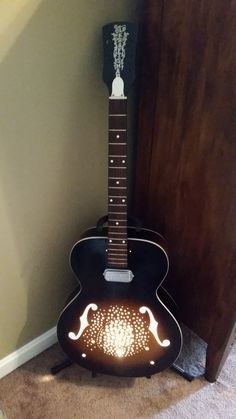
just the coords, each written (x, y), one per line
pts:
(186, 163)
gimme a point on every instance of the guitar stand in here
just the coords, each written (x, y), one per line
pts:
(68, 362)
(57, 368)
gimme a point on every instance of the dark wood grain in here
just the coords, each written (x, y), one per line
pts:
(186, 183)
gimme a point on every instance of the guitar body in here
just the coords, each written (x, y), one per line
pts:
(129, 305)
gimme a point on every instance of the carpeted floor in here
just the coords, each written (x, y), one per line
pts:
(31, 392)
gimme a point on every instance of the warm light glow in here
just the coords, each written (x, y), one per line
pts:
(46, 378)
(117, 330)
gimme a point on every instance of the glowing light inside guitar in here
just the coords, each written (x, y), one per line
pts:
(118, 331)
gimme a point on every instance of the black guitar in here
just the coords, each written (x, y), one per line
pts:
(116, 323)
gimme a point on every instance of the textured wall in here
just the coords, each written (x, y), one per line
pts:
(53, 108)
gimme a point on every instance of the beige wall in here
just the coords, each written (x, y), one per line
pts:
(53, 147)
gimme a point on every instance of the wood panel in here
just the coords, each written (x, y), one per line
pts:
(186, 184)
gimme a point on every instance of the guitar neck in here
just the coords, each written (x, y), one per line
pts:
(117, 184)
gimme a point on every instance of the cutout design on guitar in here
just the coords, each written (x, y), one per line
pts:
(153, 327)
(83, 322)
(118, 330)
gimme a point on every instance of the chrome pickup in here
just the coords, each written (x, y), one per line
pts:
(118, 275)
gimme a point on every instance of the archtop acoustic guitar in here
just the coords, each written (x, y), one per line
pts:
(116, 323)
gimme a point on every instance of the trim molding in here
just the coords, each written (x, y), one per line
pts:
(27, 352)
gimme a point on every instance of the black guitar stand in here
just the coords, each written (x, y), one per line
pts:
(57, 368)
(68, 362)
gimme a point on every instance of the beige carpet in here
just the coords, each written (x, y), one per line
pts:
(32, 393)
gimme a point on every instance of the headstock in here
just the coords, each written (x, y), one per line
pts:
(119, 43)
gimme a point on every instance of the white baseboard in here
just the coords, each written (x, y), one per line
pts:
(27, 352)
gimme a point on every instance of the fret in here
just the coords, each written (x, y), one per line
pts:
(117, 167)
(113, 263)
(118, 178)
(116, 257)
(122, 245)
(112, 253)
(117, 143)
(116, 129)
(117, 250)
(117, 233)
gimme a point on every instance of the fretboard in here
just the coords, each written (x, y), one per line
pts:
(117, 184)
